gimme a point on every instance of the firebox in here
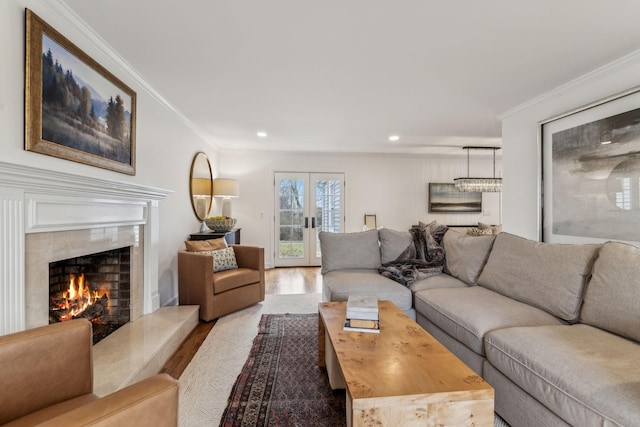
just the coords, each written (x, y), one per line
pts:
(96, 287)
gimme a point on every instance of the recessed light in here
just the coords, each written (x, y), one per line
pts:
(261, 134)
(394, 138)
(605, 143)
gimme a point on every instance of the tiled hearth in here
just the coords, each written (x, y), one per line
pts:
(47, 216)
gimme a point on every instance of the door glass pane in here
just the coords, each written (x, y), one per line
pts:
(328, 213)
(291, 196)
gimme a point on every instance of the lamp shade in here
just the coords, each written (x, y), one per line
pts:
(224, 187)
(201, 186)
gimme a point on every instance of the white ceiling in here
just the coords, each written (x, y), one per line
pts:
(344, 75)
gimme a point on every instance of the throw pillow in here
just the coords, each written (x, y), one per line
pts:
(612, 295)
(477, 231)
(215, 244)
(223, 259)
(495, 229)
(425, 225)
(197, 245)
(349, 250)
(549, 276)
(205, 245)
(393, 243)
(466, 256)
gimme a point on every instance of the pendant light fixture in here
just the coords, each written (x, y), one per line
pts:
(479, 185)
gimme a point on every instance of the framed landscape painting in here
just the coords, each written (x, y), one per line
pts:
(446, 198)
(591, 172)
(74, 108)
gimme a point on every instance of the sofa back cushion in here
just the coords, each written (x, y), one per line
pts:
(549, 276)
(349, 250)
(612, 297)
(465, 255)
(393, 243)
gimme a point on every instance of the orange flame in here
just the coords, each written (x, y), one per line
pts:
(78, 297)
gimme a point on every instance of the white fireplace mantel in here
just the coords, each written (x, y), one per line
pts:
(34, 200)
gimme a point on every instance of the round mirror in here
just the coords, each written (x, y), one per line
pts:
(201, 186)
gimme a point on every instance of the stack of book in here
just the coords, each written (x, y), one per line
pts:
(362, 314)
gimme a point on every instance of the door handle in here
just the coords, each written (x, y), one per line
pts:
(306, 222)
(313, 222)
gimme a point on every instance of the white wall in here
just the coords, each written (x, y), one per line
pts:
(165, 143)
(521, 211)
(394, 187)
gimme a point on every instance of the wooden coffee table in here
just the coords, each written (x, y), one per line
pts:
(401, 376)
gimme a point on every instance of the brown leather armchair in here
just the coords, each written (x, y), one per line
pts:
(47, 380)
(222, 292)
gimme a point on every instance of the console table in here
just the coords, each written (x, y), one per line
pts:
(232, 237)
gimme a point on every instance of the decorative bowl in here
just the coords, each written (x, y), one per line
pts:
(220, 224)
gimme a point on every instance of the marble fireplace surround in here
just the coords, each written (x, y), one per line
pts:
(43, 248)
(47, 216)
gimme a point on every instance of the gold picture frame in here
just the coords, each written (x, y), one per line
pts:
(370, 221)
(75, 109)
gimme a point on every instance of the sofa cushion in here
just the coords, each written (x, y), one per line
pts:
(469, 313)
(549, 276)
(438, 281)
(587, 376)
(612, 297)
(393, 243)
(349, 250)
(338, 285)
(465, 256)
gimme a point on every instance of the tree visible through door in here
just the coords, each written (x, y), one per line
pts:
(306, 203)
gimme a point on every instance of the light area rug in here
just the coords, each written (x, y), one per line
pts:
(207, 381)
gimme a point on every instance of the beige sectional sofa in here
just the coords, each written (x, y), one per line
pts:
(554, 328)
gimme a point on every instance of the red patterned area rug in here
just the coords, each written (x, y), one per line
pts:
(281, 383)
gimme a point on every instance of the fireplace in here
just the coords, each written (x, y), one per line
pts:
(48, 216)
(96, 287)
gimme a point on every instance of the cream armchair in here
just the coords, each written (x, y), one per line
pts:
(222, 292)
(47, 380)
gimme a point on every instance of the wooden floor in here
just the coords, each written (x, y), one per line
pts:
(295, 280)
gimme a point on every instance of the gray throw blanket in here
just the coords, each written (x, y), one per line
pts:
(424, 258)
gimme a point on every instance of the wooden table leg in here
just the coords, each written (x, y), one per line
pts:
(321, 342)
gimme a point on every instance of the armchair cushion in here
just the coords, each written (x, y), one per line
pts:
(235, 278)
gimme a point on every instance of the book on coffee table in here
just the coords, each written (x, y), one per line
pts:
(358, 325)
(364, 307)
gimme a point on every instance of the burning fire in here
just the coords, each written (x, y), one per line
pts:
(77, 298)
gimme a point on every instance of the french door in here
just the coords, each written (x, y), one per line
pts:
(305, 204)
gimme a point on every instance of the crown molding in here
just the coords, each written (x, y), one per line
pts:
(598, 72)
(90, 37)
